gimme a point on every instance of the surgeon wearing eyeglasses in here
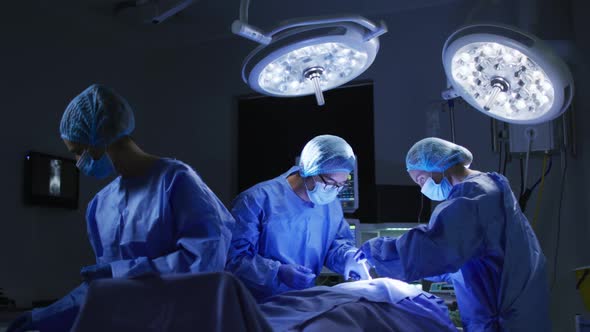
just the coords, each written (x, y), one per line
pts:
(289, 227)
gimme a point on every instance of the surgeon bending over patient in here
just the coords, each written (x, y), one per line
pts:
(156, 217)
(289, 227)
(477, 238)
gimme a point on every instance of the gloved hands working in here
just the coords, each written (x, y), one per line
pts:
(22, 323)
(380, 249)
(354, 269)
(382, 254)
(296, 276)
(98, 271)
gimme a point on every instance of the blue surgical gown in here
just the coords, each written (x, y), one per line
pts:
(274, 226)
(480, 240)
(165, 222)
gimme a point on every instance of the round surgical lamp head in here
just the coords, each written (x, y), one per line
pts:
(507, 74)
(308, 57)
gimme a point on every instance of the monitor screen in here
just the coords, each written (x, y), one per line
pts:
(349, 195)
(51, 180)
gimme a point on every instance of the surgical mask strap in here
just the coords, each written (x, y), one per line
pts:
(305, 184)
(443, 173)
(441, 180)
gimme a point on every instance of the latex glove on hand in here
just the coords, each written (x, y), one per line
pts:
(353, 269)
(380, 249)
(381, 253)
(98, 271)
(22, 323)
(296, 276)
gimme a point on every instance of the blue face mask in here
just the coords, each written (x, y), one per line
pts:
(321, 196)
(437, 191)
(99, 169)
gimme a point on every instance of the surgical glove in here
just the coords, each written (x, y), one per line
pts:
(296, 276)
(381, 249)
(354, 270)
(97, 271)
(22, 323)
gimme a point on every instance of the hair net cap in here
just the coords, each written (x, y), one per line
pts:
(97, 117)
(326, 154)
(436, 155)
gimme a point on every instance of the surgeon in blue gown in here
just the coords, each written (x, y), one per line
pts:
(477, 238)
(289, 227)
(156, 217)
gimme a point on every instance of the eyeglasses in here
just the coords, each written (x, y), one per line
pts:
(332, 185)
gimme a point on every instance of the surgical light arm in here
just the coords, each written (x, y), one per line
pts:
(241, 27)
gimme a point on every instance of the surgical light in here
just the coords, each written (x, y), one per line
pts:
(506, 74)
(308, 56)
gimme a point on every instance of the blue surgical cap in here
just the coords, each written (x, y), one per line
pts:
(436, 155)
(326, 154)
(97, 117)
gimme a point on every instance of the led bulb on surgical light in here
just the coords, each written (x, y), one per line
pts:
(312, 69)
(309, 56)
(507, 74)
(503, 67)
